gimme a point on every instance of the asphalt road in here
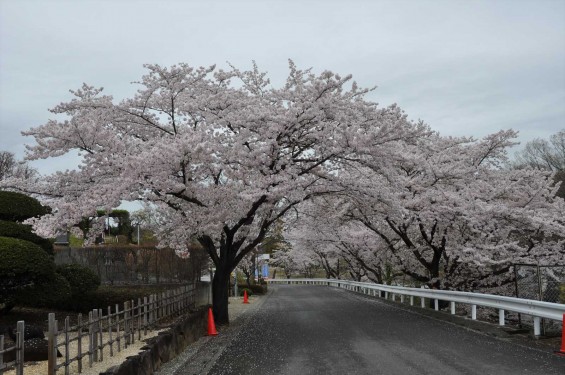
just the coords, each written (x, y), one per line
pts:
(321, 330)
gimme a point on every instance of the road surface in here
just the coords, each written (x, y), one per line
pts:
(303, 329)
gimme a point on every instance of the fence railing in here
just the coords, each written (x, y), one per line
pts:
(14, 355)
(103, 332)
(536, 309)
(116, 329)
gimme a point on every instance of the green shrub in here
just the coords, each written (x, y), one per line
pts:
(19, 207)
(23, 232)
(23, 266)
(243, 289)
(80, 278)
(259, 288)
(106, 296)
(254, 288)
(22, 262)
(52, 293)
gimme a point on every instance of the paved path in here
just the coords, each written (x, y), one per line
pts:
(320, 330)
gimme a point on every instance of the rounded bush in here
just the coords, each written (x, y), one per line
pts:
(51, 293)
(81, 279)
(255, 288)
(19, 207)
(23, 259)
(23, 232)
(249, 292)
(23, 265)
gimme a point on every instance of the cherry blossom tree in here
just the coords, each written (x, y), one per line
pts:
(442, 211)
(222, 155)
(452, 217)
(341, 246)
(286, 259)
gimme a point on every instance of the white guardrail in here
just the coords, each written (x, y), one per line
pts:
(536, 309)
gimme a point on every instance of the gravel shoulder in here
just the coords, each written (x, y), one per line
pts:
(200, 356)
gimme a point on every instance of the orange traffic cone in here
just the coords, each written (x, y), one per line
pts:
(245, 298)
(211, 326)
(562, 351)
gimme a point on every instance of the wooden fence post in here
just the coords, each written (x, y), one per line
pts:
(95, 335)
(51, 344)
(132, 322)
(151, 309)
(1, 350)
(101, 333)
(110, 331)
(20, 330)
(145, 317)
(126, 324)
(118, 335)
(90, 342)
(67, 356)
(169, 300)
(162, 306)
(139, 318)
(79, 343)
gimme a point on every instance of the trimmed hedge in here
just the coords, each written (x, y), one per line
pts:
(254, 288)
(19, 258)
(19, 207)
(23, 232)
(23, 265)
(106, 296)
(51, 293)
(243, 290)
(80, 278)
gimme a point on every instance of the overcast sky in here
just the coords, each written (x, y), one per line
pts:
(464, 67)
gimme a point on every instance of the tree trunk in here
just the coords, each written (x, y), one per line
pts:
(220, 290)
(220, 293)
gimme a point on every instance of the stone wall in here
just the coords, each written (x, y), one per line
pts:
(164, 347)
(132, 264)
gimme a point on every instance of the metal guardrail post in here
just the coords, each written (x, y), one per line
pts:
(537, 326)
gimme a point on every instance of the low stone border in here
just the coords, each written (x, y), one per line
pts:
(164, 347)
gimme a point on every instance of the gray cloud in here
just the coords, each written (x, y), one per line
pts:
(465, 67)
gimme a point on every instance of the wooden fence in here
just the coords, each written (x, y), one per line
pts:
(97, 335)
(18, 348)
